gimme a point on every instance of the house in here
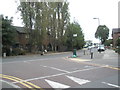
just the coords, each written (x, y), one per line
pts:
(115, 35)
(21, 37)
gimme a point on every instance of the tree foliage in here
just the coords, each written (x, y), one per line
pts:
(78, 41)
(49, 21)
(118, 42)
(118, 45)
(27, 13)
(102, 33)
(108, 42)
(8, 34)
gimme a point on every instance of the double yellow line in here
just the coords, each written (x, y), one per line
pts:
(25, 83)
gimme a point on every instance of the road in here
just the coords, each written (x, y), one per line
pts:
(61, 71)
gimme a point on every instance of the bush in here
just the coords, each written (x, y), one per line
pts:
(15, 51)
(6, 50)
(18, 51)
(117, 50)
(22, 52)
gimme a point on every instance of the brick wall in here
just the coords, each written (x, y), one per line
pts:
(22, 39)
(115, 37)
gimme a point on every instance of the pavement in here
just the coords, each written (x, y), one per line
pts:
(61, 71)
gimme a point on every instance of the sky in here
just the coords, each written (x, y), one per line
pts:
(82, 11)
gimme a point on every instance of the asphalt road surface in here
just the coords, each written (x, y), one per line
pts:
(61, 71)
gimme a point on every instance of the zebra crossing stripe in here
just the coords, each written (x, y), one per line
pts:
(78, 80)
(54, 84)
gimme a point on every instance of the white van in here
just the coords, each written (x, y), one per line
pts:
(101, 48)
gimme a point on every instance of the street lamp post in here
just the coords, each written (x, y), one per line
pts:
(98, 20)
(98, 25)
(74, 50)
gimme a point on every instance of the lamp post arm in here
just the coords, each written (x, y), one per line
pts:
(98, 21)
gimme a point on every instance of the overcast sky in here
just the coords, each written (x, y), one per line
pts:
(83, 11)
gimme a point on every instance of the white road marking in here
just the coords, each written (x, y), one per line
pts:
(78, 80)
(57, 74)
(23, 61)
(85, 69)
(59, 69)
(11, 84)
(106, 56)
(113, 85)
(56, 84)
(28, 60)
(40, 78)
(80, 60)
(56, 68)
(88, 66)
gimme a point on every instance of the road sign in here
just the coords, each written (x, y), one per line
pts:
(74, 35)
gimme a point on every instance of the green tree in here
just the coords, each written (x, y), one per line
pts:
(118, 45)
(64, 21)
(118, 42)
(59, 19)
(28, 15)
(53, 25)
(108, 42)
(41, 24)
(8, 33)
(102, 33)
(49, 20)
(77, 41)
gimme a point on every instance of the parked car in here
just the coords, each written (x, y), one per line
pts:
(101, 48)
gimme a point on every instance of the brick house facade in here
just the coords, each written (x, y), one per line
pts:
(115, 35)
(21, 36)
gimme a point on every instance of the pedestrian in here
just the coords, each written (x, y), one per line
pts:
(91, 53)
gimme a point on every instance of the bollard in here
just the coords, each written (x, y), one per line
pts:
(91, 55)
(4, 54)
(74, 53)
(84, 52)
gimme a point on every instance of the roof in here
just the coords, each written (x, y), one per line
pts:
(20, 29)
(116, 30)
